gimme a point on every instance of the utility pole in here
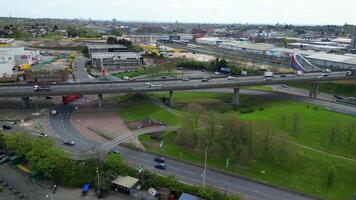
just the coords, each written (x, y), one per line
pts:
(204, 174)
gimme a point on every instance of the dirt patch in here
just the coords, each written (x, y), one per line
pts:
(108, 122)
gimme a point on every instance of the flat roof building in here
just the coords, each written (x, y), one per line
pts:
(117, 61)
(95, 48)
(124, 184)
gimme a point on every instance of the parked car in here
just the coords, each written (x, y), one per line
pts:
(4, 159)
(48, 97)
(6, 127)
(160, 166)
(160, 159)
(230, 78)
(69, 142)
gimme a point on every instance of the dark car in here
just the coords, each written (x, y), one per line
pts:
(160, 166)
(48, 97)
(205, 79)
(160, 159)
(4, 159)
(338, 97)
(69, 142)
(6, 127)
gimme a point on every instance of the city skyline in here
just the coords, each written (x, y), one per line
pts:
(197, 11)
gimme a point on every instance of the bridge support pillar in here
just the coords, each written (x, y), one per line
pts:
(313, 93)
(236, 96)
(24, 101)
(100, 100)
(170, 100)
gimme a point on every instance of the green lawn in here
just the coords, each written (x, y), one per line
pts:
(131, 74)
(314, 126)
(149, 110)
(259, 87)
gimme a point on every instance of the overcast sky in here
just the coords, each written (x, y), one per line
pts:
(211, 11)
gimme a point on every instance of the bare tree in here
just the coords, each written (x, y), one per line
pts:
(295, 122)
(350, 132)
(333, 131)
(195, 111)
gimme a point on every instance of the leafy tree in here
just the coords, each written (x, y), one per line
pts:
(19, 142)
(45, 157)
(2, 141)
(117, 32)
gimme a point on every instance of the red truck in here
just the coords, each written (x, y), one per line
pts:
(70, 98)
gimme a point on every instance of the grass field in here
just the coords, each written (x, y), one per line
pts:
(313, 131)
(143, 109)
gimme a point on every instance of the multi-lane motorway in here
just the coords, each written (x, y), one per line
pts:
(168, 85)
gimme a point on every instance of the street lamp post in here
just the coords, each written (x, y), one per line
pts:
(51, 193)
(97, 172)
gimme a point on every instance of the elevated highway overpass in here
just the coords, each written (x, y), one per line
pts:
(101, 88)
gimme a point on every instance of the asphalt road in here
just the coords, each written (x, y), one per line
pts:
(81, 74)
(167, 85)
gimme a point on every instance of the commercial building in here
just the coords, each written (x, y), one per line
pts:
(318, 47)
(117, 61)
(103, 48)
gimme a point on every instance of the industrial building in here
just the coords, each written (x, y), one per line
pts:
(327, 47)
(209, 41)
(15, 56)
(317, 55)
(333, 61)
(152, 39)
(117, 61)
(104, 48)
(353, 43)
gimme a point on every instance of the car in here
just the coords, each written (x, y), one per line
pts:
(160, 166)
(160, 159)
(185, 79)
(267, 79)
(348, 73)
(54, 112)
(230, 78)
(69, 142)
(6, 127)
(115, 151)
(43, 135)
(163, 77)
(338, 97)
(217, 73)
(204, 80)
(282, 75)
(4, 160)
(48, 97)
(285, 86)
